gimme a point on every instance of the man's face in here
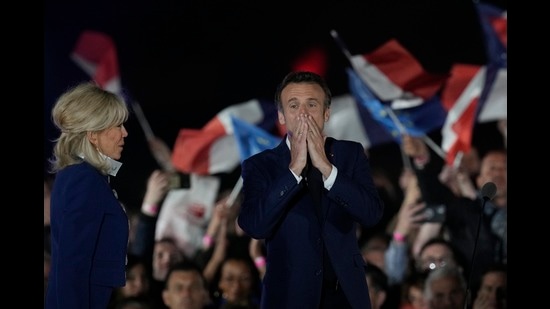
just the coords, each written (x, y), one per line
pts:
(447, 294)
(494, 169)
(185, 290)
(302, 98)
(493, 284)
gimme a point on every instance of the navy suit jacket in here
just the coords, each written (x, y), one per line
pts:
(89, 230)
(280, 210)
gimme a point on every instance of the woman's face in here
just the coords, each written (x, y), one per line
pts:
(415, 297)
(165, 255)
(110, 141)
(235, 281)
(137, 282)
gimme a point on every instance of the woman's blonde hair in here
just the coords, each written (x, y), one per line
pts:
(84, 108)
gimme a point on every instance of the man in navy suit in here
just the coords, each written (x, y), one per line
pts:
(305, 198)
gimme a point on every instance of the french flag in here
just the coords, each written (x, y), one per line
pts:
(96, 53)
(213, 149)
(460, 97)
(394, 74)
(494, 24)
(345, 121)
(416, 121)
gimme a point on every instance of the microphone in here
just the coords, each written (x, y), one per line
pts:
(488, 191)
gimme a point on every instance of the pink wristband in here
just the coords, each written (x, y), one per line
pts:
(151, 209)
(259, 262)
(207, 241)
(398, 237)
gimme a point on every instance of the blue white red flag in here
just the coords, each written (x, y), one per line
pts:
(393, 73)
(347, 122)
(414, 121)
(493, 100)
(252, 139)
(213, 149)
(96, 54)
(460, 96)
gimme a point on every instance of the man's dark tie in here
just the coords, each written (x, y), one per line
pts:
(314, 182)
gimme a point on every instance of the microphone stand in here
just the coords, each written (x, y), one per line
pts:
(488, 192)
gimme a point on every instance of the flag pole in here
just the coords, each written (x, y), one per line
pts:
(340, 43)
(402, 131)
(158, 148)
(458, 160)
(425, 137)
(143, 121)
(434, 146)
(234, 193)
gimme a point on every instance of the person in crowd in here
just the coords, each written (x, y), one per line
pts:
(436, 253)
(305, 198)
(159, 254)
(398, 256)
(492, 292)
(222, 237)
(237, 283)
(185, 287)
(89, 226)
(143, 241)
(374, 249)
(165, 255)
(227, 257)
(476, 227)
(378, 286)
(138, 280)
(177, 210)
(412, 291)
(445, 288)
(390, 194)
(133, 302)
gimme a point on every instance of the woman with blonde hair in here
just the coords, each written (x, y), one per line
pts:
(89, 226)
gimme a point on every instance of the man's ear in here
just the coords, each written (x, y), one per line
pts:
(281, 117)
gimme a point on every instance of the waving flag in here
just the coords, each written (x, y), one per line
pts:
(493, 100)
(415, 121)
(460, 97)
(96, 54)
(349, 122)
(213, 148)
(185, 213)
(252, 139)
(393, 73)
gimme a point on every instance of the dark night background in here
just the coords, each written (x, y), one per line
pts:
(184, 61)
